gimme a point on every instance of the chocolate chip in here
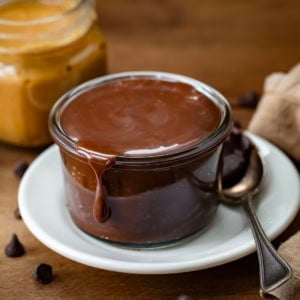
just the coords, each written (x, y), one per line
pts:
(14, 248)
(184, 297)
(249, 99)
(17, 214)
(20, 168)
(43, 273)
(237, 123)
(297, 163)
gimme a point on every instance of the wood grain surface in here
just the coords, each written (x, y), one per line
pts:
(232, 45)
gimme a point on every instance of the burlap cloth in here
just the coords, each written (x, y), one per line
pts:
(277, 119)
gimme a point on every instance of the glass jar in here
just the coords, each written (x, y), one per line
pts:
(46, 48)
(153, 200)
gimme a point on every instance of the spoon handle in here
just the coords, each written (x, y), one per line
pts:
(274, 270)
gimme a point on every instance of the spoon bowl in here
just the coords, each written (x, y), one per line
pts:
(273, 269)
(251, 181)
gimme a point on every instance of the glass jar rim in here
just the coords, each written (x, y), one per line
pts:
(202, 147)
(45, 20)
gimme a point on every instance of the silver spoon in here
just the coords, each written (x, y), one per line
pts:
(273, 269)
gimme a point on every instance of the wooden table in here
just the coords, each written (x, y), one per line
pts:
(232, 45)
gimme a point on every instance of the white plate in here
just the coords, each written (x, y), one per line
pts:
(43, 208)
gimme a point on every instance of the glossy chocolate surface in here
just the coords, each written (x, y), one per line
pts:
(140, 117)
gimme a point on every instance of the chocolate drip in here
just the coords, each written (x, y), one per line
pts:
(101, 209)
(136, 118)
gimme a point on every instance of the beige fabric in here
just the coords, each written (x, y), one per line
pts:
(277, 117)
(290, 250)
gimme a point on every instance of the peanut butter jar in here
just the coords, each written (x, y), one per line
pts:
(141, 156)
(46, 48)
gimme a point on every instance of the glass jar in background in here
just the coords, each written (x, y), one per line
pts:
(46, 48)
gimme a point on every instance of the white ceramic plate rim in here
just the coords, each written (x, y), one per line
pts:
(149, 262)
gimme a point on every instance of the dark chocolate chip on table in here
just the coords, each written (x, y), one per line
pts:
(14, 248)
(237, 124)
(249, 99)
(20, 168)
(43, 273)
(297, 163)
(17, 214)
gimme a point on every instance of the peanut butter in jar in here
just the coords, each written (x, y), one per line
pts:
(46, 48)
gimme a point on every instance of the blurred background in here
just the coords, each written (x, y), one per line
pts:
(231, 45)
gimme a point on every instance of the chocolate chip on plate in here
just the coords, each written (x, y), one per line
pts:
(17, 214)
(249, 99)
(14, 248)
(43, 273)
(20, 168)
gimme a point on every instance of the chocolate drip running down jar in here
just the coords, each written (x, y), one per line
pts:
(141, 155)
(46, 48)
